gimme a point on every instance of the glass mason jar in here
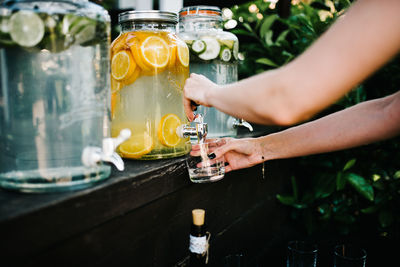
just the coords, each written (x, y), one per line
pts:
(214, 54)
(55, 101)
(149, 66)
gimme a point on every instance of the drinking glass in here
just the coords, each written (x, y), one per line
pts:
(301, 254)
(201, 167)
(348, 255)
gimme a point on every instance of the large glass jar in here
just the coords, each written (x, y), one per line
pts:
(55, 101)
(149, 66)
(214, 54)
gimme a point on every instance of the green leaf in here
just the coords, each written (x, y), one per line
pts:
(325, 186)
(370, 209)
(286, 200)
(340, 181)
(266, 61)
(242, 32)
(248, 27)
(268, 38)
(349, 164)
(266, 25)
(282, 37)
(361, 185)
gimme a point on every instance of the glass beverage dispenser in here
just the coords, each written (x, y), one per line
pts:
(54, 95)
(149, 66)
(214, 54)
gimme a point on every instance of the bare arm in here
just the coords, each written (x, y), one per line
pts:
(358, 44)
(358, 125)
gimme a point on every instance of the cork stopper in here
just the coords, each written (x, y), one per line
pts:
(198, 216)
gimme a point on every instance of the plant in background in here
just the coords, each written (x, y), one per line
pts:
(346, 191)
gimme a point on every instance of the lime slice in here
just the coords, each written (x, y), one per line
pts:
(225, 54)
(212, 49)
(26, 28)
(198, 46)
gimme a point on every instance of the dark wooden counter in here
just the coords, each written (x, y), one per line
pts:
(141, 217)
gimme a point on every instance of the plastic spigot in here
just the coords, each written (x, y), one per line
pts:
(92, 155)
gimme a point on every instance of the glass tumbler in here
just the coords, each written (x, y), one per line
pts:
(201, 168)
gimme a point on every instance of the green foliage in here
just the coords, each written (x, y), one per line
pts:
(344, 191)
(272, 41)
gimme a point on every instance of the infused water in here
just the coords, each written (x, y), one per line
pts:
(148, 72)
(54, 65)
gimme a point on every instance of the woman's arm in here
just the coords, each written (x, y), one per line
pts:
(358, 125)
(355, 46)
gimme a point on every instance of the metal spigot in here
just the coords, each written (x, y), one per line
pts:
(200, 129)
(234, 123)
(92, 155)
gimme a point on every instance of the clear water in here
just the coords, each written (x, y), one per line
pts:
(52, 106)
(219, 123)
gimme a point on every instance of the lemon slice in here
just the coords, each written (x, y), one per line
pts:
(172, 58)
(136, 146)
(26, 28)
(122, 65)
(183, 53)
(132, 78)
(115, 85)
(166, 132)
(155, 52)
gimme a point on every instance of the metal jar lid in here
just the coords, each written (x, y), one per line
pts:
(148, 15)
(200, 11)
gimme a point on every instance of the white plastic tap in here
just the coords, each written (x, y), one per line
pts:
(92, 155)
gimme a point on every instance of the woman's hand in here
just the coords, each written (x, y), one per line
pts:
(195, 92)
(237, 153)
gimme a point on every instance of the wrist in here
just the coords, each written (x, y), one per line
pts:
(211, 95)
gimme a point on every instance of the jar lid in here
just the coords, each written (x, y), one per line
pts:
(148, 15)
(201, 11)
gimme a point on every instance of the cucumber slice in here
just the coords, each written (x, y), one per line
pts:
(83, 30)
(225, 54)
(236, 50)
(212, 49)
(189, 42)
(228, 43)
(26, 28)
(199, 46)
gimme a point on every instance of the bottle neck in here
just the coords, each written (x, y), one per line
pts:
(197, 230)
(128, 26)
(188, 24)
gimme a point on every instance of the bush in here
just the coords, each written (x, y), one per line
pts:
(346, 191)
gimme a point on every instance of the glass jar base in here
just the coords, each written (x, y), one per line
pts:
(54, 179)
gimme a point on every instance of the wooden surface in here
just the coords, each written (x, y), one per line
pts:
(141, 217)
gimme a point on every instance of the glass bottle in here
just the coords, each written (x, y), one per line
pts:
(54, 65)
(149, 66)
(214, 54)
(198, 240)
